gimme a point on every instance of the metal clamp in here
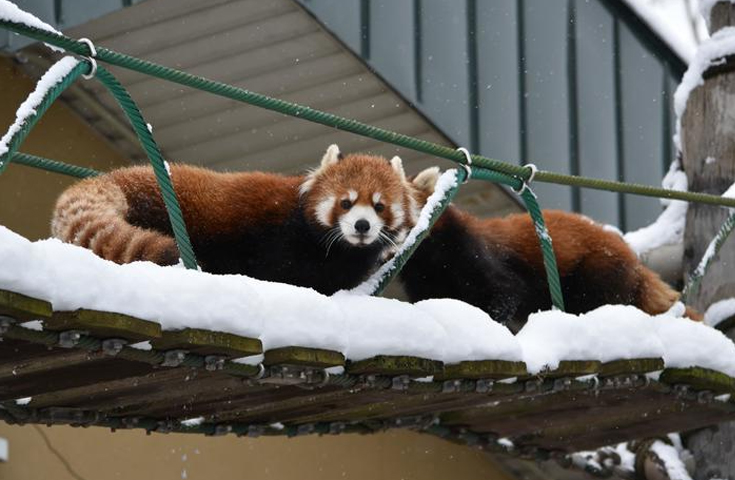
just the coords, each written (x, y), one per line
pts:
(468, 165)
(484, 385)
(113, 346)
(400, 383)
(212, 363)
(525, 183)
(451, 386)
(5, 324)
(173, 358)
(70, 338)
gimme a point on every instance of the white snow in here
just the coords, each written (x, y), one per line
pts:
(672, 21)
(192, 422)
(360, 326)
(10, 12)
(36, 325)
(614, 332)
(607, 333)
(668, 228)
(142, 345)
(71, 277)
(446, 181)
(675, 468)
(710, 52)
(28, 108)
(719, 312)
(23, 401)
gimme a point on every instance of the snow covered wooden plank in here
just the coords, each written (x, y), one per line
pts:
(310, 357)
(396, 365)
(207, 342)
(700, 379)
(104, 324)
(633, 366)
(23, 308)
(490, 369)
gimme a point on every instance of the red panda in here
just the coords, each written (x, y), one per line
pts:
(496, 264)
(326, 230)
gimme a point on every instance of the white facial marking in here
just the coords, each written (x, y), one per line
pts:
(376, 197)
(360, 212)
(323, 209)
(398, 214)
(352, 195)
(413, 210)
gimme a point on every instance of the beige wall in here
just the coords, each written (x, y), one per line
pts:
(27, 195)
(95, 453)
(26, 199)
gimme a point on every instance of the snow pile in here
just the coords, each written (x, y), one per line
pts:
(445, 182)
(614, 332)
(71, 277)
(668, 229)
(720, 311)
(711, 52)
(677, 22)
(608, 333)
(620, 460)
(360, 326)
(10, 12)
(28, 108)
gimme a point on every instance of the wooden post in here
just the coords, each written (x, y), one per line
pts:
(708, 145)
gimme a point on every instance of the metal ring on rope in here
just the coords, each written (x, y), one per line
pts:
(528, 181)
(468, 165)
(90, 59)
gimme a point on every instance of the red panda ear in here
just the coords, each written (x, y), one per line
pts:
(426, 179)
(332, 156)
(397, 165)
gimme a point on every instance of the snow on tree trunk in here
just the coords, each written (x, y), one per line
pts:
(708, 147)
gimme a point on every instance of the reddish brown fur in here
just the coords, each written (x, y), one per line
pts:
(587, 257)
(254, 223)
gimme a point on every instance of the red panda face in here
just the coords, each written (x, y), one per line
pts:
(358, 199)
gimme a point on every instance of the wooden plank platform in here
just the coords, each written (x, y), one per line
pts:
(80, 369)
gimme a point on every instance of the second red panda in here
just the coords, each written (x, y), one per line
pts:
(496, 264)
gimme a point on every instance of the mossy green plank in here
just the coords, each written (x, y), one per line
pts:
(207, 342)
(22, 307)
(311, 357)
(491, 369)
(573, 368)
(631, 367)
(105, 325)
(396, 365)
(699, 378)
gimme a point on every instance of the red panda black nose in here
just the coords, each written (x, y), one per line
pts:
(362, 226)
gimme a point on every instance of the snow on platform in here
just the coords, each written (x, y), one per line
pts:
(144, 346)
(358, 326)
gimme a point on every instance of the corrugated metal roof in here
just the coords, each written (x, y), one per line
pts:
(272, 47)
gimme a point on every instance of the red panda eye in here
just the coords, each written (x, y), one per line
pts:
(379, 207)
(346, 204)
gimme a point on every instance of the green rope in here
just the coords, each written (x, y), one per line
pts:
(52, 165)
(163, 178)
(395, 265)
(51, 95)
(532, 206)
(695, 279)
(341, 123)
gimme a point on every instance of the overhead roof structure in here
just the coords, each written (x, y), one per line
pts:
(273, 47)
